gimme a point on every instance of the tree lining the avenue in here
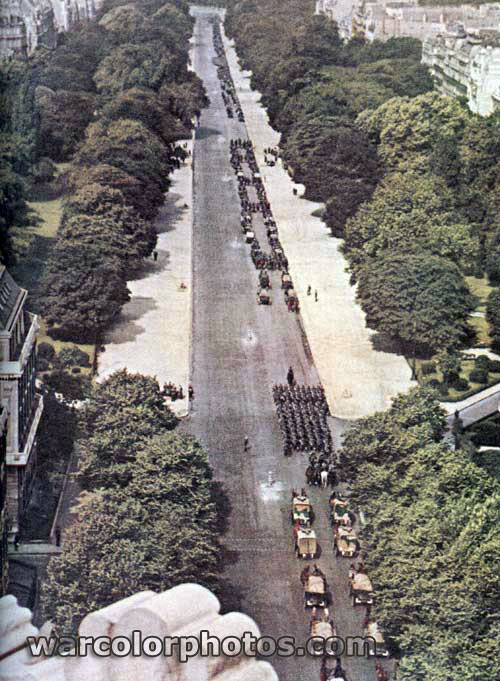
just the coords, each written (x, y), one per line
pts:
(147, 518)
(113, 98)
(431, 541)
(418, 210)
(145, 101)
(400, 168)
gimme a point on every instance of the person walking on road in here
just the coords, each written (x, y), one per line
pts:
(315, 296)
(324, 478)
(246, 445)
(290, 377)
(309, 290)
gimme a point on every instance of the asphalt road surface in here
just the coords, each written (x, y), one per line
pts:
(240, 349)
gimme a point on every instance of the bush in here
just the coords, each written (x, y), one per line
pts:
(478, 376)
(42, 364)
(433, 383)
(71, 387)
(461, 384)
(428, 368)
(493, 267)
(46, 350)
(44, 170)
(74, 357)
(495, 366)
(486, 433)
(482, 362)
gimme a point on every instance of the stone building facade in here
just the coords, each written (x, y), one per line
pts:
(27, 24)
(186, 610)
(466, 65)
(18, 331)
(4, 521)
(405, 18)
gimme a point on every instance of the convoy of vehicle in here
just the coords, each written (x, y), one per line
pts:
(253, 200)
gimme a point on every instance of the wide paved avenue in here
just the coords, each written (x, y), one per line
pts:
(240, 349)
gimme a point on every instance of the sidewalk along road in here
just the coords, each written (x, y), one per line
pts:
(240, 349)
(153, 334)
(358, 379)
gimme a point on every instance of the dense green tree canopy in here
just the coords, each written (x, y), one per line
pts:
(493, 317)
(130, 66)
(83, 290)
(13, 208)
(144, 105)
(410, 213)
(405, 129)
(64, 116)
(321, 152)
(125, 410)
(431, 541)
(101, 203)
(111, 177)
(157, 533)
(131, 147)
(416, 299)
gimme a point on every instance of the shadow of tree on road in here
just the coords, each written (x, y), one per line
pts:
(203, 133)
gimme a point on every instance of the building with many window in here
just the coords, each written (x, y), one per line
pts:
(4, 518)
(384, 19)
(28, 24)
(18, 330)
(466, 65)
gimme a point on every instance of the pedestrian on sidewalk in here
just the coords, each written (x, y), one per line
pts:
(16, 542)
(191, 392)
(315, 296)
(155, 255)
(309, 290)
(290, 377)
(246, 445)
(58, 536)
(324, 478)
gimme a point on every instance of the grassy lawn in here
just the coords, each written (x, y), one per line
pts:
(467, 367)
(481, 289)
(33, 245)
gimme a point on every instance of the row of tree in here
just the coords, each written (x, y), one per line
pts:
(403, 171)
(147, 518)
(410, 180)
(439, 198)
(431, 541)
(17, 155)
(114, 97)
(314, 86)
